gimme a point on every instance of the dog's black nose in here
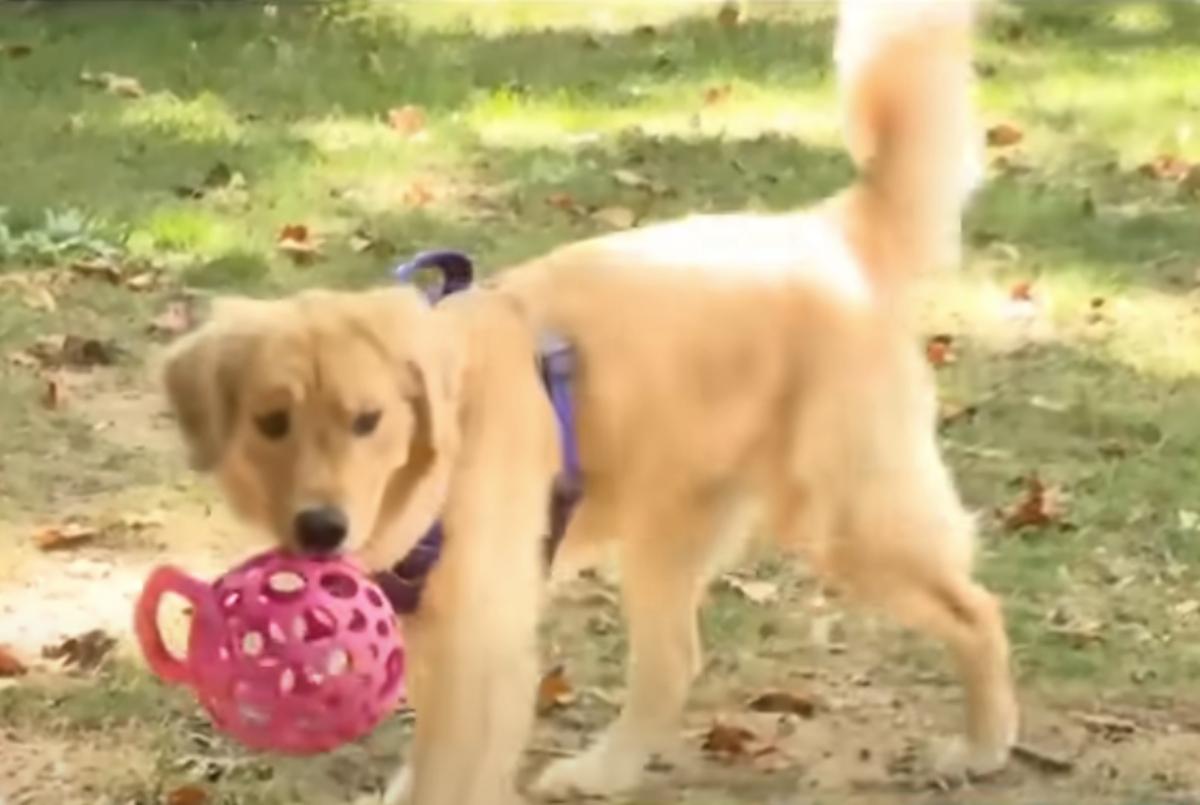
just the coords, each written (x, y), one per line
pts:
(320, 529)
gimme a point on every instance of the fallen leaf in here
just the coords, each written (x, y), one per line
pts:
(728, 740)
(98, 268)
(1111, 727)
(122, 85)
(1021, 291)
(10, 666)
(616, 217)
(418, 194)
(939, 350)
(645, 31)
(1040, 505)
(717, 94)
(174, 321)
(407, 120)
(1002, 135)
(1042, 760)
(65, 535)
(52, 395)
(188, 795)
(145, 281)
(295, 241)
(780, 701)
(17, 50)
(85, 651)
(729, 15)
(758, 592)
(564, 201)
(76, 351)
(952, 413)
(1166, 167)
(138, 522)
(554, 691)
(633, 179)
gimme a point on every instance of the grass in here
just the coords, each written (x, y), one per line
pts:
(250, 118)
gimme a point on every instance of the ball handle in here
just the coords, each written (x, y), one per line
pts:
(205, 615)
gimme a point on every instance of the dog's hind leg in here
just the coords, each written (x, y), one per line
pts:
(906, 549)
(666, 557)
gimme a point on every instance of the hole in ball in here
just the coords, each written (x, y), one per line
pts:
(358, 621)
(338, 662)
(319, 624)
(339, 585)
(284, 585)
(231, 600)
(276, 633)
(383, 628)
(287, 681)
(375, 598)
(252, 644)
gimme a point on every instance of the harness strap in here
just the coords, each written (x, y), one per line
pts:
(404, 583)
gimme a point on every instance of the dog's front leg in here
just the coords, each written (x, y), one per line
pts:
(475, 671)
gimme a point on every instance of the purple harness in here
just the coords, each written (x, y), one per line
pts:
(404, 583)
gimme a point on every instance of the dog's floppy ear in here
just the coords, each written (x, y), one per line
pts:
(430, 353)
(200, 375)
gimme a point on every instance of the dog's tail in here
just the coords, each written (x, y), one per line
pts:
(904, 71)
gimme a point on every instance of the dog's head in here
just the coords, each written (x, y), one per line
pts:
(325, 416)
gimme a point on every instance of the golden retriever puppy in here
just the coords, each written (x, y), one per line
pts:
(731, 370)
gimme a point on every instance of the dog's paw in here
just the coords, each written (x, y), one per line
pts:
(600, 771)
(958, 759)
(399, 790)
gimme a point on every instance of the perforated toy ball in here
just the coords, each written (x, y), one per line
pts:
(287, 653)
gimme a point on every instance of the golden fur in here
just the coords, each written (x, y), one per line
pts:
(732, 369)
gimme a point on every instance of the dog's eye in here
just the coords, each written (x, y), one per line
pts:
(273, 425)
(365, 423)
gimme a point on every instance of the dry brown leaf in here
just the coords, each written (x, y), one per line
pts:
(53, 394)
(616, 217)
(633, 179)
(122, 85)
(10, 666)
(1002, 135)
(939, 350)
(1166, 167)
(98, 268)
(64, 535)
(418, 194)
(187, 795)
(717, 94)
(85, 651)
(728, 740)
(296, 242)
(554, 691)
(729, 15)
(76, 351)
(407, 120)
(144, 281)
(758, 592)
(1039, 506)
(1021, 291)
(781, 701)
(564, 201)
(17, 50)
(950, 413)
